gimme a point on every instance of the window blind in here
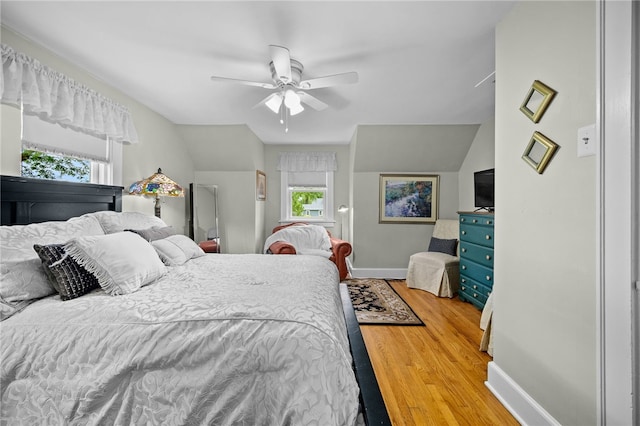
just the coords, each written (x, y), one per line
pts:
(49, 137)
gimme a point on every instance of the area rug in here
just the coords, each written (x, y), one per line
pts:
(376, 302)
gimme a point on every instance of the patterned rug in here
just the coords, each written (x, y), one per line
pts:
(376, 302)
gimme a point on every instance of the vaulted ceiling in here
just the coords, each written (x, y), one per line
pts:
(418, 62)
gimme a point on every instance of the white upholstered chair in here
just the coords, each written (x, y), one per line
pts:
(434, 271)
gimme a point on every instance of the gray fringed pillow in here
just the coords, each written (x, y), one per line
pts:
(69, 278)
(443, 246)
(154, 233)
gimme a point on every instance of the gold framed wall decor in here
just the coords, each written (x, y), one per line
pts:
(539, 152)
(261, 186)
(408, 198)
(537, 100)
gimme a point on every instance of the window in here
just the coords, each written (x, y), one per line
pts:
(50, 151)
(43, 165)
(307, 187)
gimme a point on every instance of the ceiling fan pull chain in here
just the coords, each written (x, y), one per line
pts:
(286, 119)
(283, 110)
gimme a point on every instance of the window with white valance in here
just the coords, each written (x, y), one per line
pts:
(308, 162)
(56, 98)
(65, 118)
(307, 186)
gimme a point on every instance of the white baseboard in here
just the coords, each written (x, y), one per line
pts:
(391, 273)
(524, 408)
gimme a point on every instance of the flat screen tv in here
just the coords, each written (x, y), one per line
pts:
(483, 189)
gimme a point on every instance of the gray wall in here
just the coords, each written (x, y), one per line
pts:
(545, 246)
(481, 156)
(160, 145)
(228, 156)
(425, 149)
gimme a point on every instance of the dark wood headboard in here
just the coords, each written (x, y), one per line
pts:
(27, 200)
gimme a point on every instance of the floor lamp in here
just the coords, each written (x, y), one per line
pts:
(342, 210)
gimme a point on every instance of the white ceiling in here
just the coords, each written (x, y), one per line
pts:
(418, 61)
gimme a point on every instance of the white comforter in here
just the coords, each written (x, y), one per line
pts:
(305, 239)
(224, 339)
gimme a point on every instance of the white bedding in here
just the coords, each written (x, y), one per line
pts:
(305, 239)
(222, 339)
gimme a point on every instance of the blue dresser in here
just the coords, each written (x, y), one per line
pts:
(476, 257)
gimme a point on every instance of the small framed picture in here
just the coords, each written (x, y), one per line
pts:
(408, 198)
(537, 100)
(539, 151)
(261, 186)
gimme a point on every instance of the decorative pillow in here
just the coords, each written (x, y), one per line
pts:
(154, 233)
(177, 249)
(443, 246)
(122, 262)
(22, 278)
(69, 278)
(23, 281)
(113, 222)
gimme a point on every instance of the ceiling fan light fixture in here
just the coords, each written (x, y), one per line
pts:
(296, 109)
(274, 103)
(291, 99)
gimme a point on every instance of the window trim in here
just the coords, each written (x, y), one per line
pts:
(328, 220)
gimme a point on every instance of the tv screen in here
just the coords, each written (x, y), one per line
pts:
(483, 187)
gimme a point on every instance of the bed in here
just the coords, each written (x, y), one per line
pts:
(212, 339)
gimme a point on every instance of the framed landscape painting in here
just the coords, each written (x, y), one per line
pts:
(408, 198)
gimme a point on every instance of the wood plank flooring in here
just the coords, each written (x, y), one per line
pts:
(434, 375)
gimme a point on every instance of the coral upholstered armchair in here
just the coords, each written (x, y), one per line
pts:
(340, 249)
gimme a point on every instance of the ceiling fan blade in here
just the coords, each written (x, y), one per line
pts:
(245, 82)
(330, 80)
(312, 101)
(281, 62)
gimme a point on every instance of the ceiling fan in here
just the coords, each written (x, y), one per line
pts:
(286, 74)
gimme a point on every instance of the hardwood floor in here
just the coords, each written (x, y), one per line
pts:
(434, 375)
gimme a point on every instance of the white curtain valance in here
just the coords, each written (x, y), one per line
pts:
(59, 99)
(308, 162)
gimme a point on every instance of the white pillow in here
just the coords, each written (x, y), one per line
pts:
(123, 262)
(22, 278)
(113, 222)
(176, 249)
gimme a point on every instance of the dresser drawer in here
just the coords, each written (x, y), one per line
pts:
(479, 254)
(476, 272)
(469, 295)
(476, 234)
(471, 286)
(479, 220)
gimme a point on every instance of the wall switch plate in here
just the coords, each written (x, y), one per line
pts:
(587, 141)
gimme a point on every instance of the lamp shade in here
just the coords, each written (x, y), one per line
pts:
(157, 184)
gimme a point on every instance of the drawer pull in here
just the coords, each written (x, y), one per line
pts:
(475, 221)
(488, 277)
(475, 295)
(464, 280)
(463, 288)
(487, 237)
(462, 219)
(488, 257)
(475, 287)
(464, 266)
(464, 250)
(489, 222)
(464, 232)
